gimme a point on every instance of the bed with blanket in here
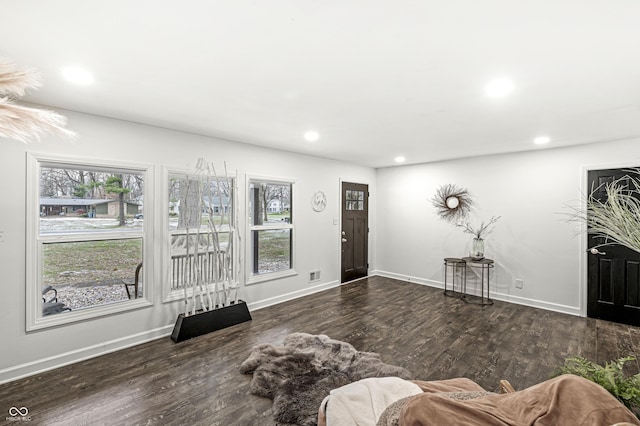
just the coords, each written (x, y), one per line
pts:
(564, 400)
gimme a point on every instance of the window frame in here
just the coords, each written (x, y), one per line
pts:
(35, 241)
(252, 278)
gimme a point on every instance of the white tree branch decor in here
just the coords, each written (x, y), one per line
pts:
(204, 249)
(19, 122)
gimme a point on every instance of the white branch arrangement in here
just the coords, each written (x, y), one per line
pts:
(481, 231)
(211, 291)
(19, 122)
(616, 220)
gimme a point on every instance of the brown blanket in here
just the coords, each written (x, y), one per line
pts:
(564, 400)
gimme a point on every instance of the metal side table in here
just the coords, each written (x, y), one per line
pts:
(485, 265)
(455, 264)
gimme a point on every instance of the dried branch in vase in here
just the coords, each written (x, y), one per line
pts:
(481, 231)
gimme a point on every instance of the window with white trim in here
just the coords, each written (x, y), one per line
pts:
(86, 240)
(271, 228)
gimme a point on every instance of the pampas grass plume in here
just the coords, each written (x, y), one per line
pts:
(19, 122)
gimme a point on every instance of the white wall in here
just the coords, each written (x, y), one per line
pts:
(408, 241)
(532, 240)
(317, 238)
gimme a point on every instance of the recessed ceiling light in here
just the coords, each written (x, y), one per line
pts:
(77, 75)
(400, 159)
(499, 87)
(311, 136)
(541, 140)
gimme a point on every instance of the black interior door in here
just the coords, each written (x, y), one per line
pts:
(355, 231)
(613, 270)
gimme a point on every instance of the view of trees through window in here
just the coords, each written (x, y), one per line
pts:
(91, 223)
(270, 218)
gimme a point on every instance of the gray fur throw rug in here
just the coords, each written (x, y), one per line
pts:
(298, 375)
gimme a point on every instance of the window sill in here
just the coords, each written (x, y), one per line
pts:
(64, 318)
(256, 279)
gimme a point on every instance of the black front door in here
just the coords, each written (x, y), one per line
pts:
(613, 270)
(355, 231)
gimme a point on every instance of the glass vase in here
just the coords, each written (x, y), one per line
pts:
(477, 249)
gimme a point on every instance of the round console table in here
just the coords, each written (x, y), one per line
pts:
(484, 265)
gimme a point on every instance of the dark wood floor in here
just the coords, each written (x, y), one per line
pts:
(435, 337)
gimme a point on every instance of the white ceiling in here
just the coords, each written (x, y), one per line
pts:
(376, 79)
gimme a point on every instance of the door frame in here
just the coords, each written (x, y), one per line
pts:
(338, 223)
(583, 265)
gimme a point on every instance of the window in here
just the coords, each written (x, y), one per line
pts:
(86, 241)
(355, 200)
(203, 240)
(271, 229)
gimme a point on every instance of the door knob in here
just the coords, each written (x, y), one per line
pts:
(344, 240)
(596, 251)
(344, 233)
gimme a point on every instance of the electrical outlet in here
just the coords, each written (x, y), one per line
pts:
(314, 275)
(519, 283)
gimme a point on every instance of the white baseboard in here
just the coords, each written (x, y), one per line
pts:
(409, 278)
(292, 295)
(41, 365)
(555, 307)
(564, 309)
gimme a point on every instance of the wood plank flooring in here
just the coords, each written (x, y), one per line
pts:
(435, 337)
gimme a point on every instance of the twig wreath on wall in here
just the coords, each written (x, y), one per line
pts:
(452, 203)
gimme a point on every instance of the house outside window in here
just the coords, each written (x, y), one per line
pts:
(86, 240)
(271, 229)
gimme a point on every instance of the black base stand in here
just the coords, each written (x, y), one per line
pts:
(207, 321)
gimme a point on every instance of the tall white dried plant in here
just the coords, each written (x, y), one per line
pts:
(617, 219)
(15, 81)
(19, 122)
